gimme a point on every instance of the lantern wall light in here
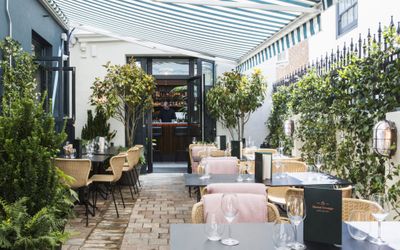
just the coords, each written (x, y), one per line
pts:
(288, 127)
(385, 138)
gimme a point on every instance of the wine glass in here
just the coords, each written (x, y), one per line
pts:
(278, 165)
(382, 201)
(319, 161)
(282, 235)
(280, 148)
(248, 170)
(194, 140)
(212, 229)
(229, 206)
(357, 216)
(240, 177)
(296, 211)
(206, 171)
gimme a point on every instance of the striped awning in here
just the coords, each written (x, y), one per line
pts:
(290, 39)
(216, 31)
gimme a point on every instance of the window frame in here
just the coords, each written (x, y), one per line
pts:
(349, 26)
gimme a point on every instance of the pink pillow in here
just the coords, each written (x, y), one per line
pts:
(252, 208)
(242, 188)
(222, 165)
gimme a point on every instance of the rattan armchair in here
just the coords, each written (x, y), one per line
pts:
(195, 159)
(110, 181)
(277, 194)
(198, 213)
(351, 204)
(137, 165)
(133, 156)
(79, 170)
(213, 153)
(346, 191)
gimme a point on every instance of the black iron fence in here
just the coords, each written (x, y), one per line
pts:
(341, 57)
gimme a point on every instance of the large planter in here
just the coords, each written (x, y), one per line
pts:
(236, 149)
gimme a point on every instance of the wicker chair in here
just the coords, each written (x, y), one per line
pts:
(350, 204)
(346, 192)
(198, 213)
(133, 155)
(139, 166)
(79, 169)
(277, 194)
(195, 159)
(213, 153)
(110, 181)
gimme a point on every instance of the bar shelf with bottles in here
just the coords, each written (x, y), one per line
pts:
(171, 138)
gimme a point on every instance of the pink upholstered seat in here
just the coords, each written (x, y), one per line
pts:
(222, 165)
(242, 188)
(252, 208)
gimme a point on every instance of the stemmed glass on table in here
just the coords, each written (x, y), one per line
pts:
(90, 148)
(380, 215)
(229, 206)
(206, 172)
(248, 170)
(296, 211)
(280, 149)
(278, 165)
(319, 161)
(240, 176)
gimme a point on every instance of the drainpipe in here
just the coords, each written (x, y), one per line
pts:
(9, 19)
(10, 27)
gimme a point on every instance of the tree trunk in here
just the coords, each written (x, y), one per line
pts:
(242, 125)
(238, 130)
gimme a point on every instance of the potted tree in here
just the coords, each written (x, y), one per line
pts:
(124, 93)
(234, 98)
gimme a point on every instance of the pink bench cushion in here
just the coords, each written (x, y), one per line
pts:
(222, 165)
(243, 188)
(252, 208)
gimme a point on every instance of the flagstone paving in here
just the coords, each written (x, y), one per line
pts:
(143, 224)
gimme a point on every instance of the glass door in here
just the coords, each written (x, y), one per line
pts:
(195, 108)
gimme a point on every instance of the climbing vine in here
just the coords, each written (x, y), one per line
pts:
(336, 115)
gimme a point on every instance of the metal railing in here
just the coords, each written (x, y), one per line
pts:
(341, 57)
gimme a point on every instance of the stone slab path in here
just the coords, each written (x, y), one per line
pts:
(143, 224)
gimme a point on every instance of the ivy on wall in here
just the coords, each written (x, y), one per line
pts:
(336, 115)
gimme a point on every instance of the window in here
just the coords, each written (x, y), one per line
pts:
(347, 16)
(170, 66)
(208, 73)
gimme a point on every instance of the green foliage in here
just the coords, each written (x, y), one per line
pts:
(20, 230)
(337, 113)
(97, 126)
(280, 112)
(124, 93)
(34, 205)
(234, 97)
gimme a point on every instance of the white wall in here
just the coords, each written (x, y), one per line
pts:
(89, 54)
(370, 13)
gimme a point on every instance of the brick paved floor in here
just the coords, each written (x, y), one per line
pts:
(143, 224)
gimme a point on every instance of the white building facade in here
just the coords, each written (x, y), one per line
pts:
(310, 37)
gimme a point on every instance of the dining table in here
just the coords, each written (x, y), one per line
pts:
(259, 236)
(297, 179)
